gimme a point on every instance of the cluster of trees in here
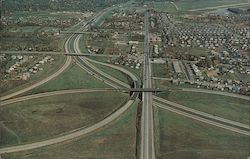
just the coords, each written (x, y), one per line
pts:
(57, 5)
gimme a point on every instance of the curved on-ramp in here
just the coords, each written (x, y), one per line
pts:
(47, 94)
(204, 120)
(62, 69)
(69, 136)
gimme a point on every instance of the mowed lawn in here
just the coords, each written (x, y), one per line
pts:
(116, 140)
(223, 106)
(183, 138)
(47, 117)
(73, 78)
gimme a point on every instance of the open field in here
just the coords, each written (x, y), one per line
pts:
(181, 137)
(226, 107)
(113, 72)
(160, 70)
(116, 140)
(185, 50)
(236, 76)
(104, 16)
(200, 4)
(73, 78)
(82, 44)
(47, 117)
(102, 59)
(162, 6)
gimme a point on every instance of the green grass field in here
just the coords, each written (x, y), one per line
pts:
(236, 76)
(102, 59)
(73, 78)
(160, 70)
(184, 138)
(47, 117)
(104, 16)
(226, 107)
(113, 72)
(200, 4)
(191, 51)
(116, 140)
(162, 6)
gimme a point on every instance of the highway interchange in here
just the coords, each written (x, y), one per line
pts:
(149, 100)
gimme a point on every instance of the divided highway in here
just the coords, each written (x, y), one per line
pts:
(147, 121)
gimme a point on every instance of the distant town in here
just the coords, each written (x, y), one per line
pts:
(132, 79)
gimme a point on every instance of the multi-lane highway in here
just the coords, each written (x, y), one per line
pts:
(147, 121)
(72, 46)
(83, 25)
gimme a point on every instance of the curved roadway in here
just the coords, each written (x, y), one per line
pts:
(80, 132)
(113, 116)
(70, 136)
(62, 69)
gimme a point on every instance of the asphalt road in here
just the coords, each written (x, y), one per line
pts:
(67, 48)
(57, 73)
(147, 122)
(47, 94)
(147, 117)
(72, 43)
(74, 133)
(202, 114)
